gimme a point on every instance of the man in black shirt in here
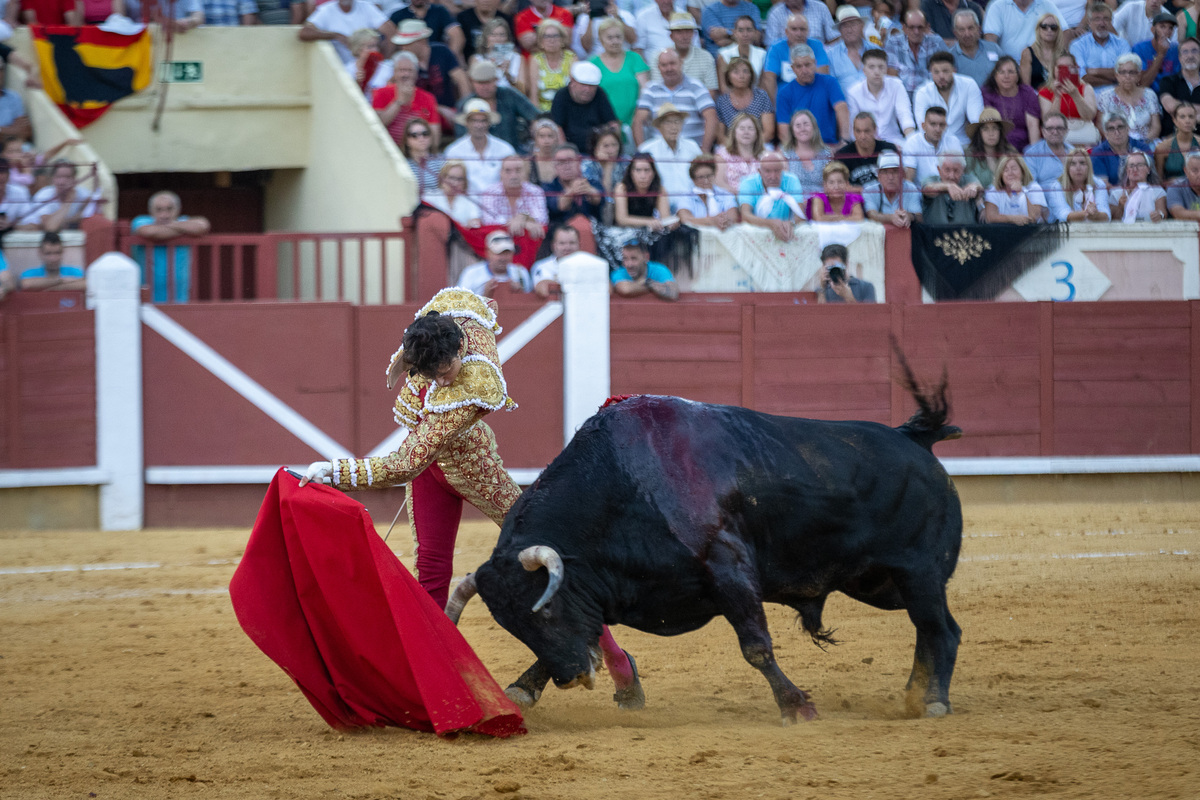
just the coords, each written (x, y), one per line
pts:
(862, 155)
(1183, 85)
(445, 27)
(584, 107)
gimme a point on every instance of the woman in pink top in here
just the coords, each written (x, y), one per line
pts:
(738, 157)
(837, 203)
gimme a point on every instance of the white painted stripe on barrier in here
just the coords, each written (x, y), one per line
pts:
(242, 383)
(66, 476)
(1081, 465)
(506, 348)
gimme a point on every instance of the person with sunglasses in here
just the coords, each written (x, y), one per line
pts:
(1012, 23)
(1037, 61)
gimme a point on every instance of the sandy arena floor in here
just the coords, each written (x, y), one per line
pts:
(125, 675)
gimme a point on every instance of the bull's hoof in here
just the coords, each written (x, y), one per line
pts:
(807, 712)
(938, 709)
(521, 696)
(631, 698)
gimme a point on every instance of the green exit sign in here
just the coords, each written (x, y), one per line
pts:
(183, 72)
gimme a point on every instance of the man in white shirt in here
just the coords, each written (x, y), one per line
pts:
(1012, 23)
(923, 149)
(884, 97)
(672, 153)
(336, 21)
(486, 278)
(563, 242)
(653, 25)
(479, 151)
(958, 94)
(1132, 21)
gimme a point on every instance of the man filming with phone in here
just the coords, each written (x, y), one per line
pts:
(837, 284)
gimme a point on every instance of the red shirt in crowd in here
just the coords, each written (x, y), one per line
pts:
(527, 21)
(423, 105)
(48, 12)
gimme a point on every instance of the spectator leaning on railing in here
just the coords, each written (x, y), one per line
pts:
(515, 202)
(163, 224)
(564, 240)
(62, 205)
(951, 195)
(1139, 197)
(52, 274)
(672, 153)
(891, 199)
(837, 284)
(1183, 196)
(773, 198)
(487, 278)
(639, 276)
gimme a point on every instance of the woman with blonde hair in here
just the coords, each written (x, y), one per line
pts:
(1014, 198)
(836, 203)
(547, 136)
(1081, 197)
(738, 157)
(623, 72)
(549, 67)
(1139, 197)
(1038, 60)
(742, 96)
(451, 196)
(807, 154)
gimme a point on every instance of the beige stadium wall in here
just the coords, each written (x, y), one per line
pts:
(355, 178)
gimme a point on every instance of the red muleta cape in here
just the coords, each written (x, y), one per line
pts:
(322, 595)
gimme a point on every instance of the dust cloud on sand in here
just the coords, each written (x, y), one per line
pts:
(1076, 679)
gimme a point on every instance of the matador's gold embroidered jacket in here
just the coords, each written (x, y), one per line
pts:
(448, 426)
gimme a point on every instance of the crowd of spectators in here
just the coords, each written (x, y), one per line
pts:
(637, 116)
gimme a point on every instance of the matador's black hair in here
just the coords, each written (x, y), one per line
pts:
(430, 344)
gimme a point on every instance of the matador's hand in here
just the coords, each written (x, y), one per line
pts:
(317, 472)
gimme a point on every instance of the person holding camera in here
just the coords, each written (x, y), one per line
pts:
(837, 284)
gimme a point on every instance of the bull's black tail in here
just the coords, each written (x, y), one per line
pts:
(928, 426)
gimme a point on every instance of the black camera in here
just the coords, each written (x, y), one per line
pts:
(598, 9)
(837, 274)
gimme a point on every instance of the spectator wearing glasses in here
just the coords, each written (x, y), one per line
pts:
(1108, 158)
(1044, 158)
(418, 149)
(1183, 197)
(942, 16)
(451, 196)
(708, 204)
(1079, 197)
(1038, 59)
(1011, 24)
(908, 55)
(550, 66)
(1129, 98)
(1075, 100)
(1185, 85)
(1138, 197)
(892, 200)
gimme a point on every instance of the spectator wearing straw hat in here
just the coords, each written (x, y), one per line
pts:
(338, 20)
(698, 63)
(443, 25)
(653, 24)
(478, 149)
(672, 152)
(583, 108)
(498, 272)
(515, 111)
(845, 55)
(439, 71)
(685, 94)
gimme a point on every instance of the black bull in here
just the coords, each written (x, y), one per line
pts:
(663, 513)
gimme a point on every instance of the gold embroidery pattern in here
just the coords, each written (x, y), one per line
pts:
(962, 246)
(472, 465)
(416, 452)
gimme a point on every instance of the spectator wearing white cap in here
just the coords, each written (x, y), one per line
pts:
(439, 71)
(583, 108)
(685, 94)
(672, 153)
(479, 150)
(498, 272)
(891, 199)
(845, 55)
(515, 110)
(338, 20)
(698, 64)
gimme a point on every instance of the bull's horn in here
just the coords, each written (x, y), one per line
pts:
(533, 558)
(465, 590)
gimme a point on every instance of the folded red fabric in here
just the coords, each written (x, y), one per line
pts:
(322, 595)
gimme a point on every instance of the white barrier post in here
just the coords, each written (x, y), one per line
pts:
(584, 281)
(114, 292)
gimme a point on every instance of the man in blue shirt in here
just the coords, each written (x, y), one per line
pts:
(773, 197)
(51, 274)
(777, 69)
(640, 276)
(820, 94)
(1159, 54)
(1097, 52)
(718, 19)
(162, 224)
(1109, 155)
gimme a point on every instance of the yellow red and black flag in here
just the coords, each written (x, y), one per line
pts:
(86, 69)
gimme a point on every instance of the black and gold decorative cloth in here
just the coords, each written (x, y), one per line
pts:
(978, 262)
